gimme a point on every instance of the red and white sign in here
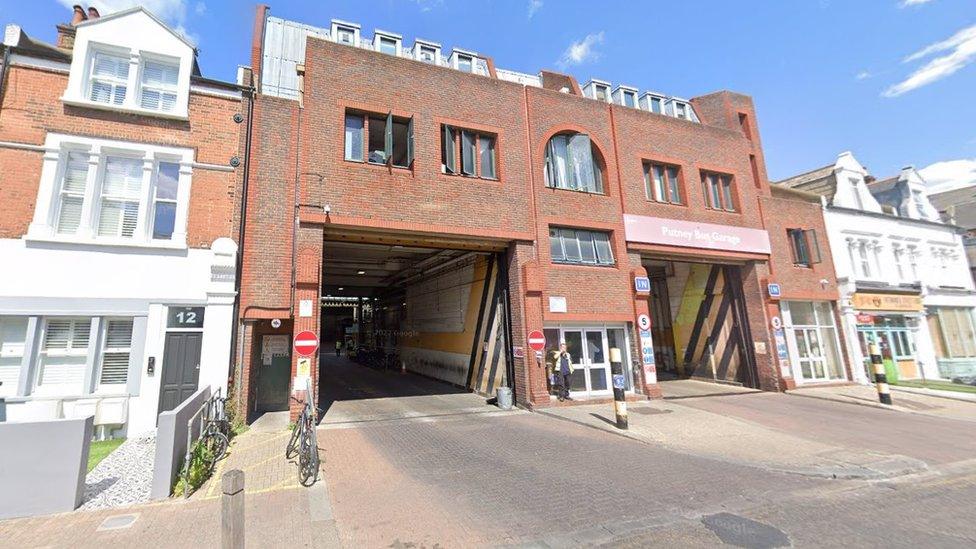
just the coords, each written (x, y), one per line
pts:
(690, 234)
(306, 343)
(537, 340)
(865, 318)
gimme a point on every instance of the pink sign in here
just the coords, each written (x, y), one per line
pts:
(690, 234)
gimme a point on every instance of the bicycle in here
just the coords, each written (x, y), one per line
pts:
(303, 442)
(215, 436)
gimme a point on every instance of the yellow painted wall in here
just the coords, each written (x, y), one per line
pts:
(457, 342)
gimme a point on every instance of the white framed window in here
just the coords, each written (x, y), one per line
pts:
(427, 53)
(572, 163)
(345, 32)
(159, 85)
(108, 79)
(630, 99)
(464, 63)
(121, 192)
(111, 192)
(601, 93)
(387, 43)
(113, 373)
(13, 338)
(63, 356)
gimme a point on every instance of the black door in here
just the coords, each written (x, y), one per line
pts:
(181, 368)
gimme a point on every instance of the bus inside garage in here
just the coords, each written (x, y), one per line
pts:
(403, 318)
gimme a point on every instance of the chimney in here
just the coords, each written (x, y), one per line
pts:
(870, 179)
(93, 13)
(79, 15)
(66, 31)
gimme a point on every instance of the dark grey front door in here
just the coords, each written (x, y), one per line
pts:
(181, 368)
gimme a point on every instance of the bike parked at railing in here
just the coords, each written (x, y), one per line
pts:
(303, 441)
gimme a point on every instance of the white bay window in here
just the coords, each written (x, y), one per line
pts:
(113, 193)
(108, 81)
(159, 88)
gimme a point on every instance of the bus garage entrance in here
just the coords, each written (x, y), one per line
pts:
(405, 317)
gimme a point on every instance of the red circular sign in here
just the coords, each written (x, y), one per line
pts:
(306, 343)
(537, 340)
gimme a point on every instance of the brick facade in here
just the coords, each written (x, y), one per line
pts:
(303, 142)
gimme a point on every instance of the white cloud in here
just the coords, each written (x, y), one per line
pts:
(173, 12)
(959, 50)
(863, 75)
(949, 174)
(428, 5)
(200, 8)
(581, 51)
(534, 6)
(909, 3)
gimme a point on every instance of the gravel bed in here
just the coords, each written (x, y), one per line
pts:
(123, 478)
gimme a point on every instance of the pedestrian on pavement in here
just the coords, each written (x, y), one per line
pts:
(338, 347)
(565, 370)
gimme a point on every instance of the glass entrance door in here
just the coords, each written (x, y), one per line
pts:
(589, 350)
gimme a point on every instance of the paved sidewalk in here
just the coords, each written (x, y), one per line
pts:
(902, 400)
(697, 432)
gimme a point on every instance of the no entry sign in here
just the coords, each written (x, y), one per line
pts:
(306, 343)
(537, 340)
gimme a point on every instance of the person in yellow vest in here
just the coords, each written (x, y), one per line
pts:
(563, 370)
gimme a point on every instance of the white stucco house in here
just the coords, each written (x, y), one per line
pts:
(117, 285)
(902, 273)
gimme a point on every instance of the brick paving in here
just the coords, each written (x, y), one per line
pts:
(261, 455)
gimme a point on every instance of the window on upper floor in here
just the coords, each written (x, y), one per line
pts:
(804, 247)
(580, 246)
(662, 183)
(601, 93)
(379, 139)
(108, 81)
(113, 192)
(138, 81)
(427, 54)
(468, 152)
(628, 98)
(345, 35)
(718, 191)
(465, 63)
(573, 163)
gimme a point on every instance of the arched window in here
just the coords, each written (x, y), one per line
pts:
(572, 162)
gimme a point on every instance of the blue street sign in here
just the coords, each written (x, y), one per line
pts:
(774, 289)
(618, 381)
(642, 284)
(645, 333)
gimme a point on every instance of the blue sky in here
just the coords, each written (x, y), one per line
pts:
(891, 80)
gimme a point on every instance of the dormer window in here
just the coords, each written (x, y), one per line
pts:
(344, 32)
(680, 109)
(600, 93)
(428, 52)
(465, 63)
(387, 43)
(159, 85)
(345, 35)
(625, 96)
(108, 80)
(652, 103)
(130, 62)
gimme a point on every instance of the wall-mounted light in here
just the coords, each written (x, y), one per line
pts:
(360, 272)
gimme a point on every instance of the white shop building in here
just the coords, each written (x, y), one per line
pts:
(902, 273)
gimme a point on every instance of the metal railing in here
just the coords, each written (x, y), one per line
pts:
(214, 404)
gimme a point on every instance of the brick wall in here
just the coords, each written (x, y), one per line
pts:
(32, 108)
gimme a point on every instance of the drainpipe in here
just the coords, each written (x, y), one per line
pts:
(3, 74)
(298, 176)
(239, 267)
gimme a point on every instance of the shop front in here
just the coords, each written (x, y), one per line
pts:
(813, 341)
(892, 322)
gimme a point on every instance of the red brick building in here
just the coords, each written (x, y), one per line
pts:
(121, 182)
(440, 208)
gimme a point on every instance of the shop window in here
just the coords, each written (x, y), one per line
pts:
(115, 356)
(63, 356)
(804, 247)
(718, 191)
(389, 139)
(13, 336)
(956, 332)
(468, 152)
(815, 338)
(578, 246)
(662, 183)
(573, 163)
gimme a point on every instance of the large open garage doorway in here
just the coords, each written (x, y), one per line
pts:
(411, 326)
(700, 328)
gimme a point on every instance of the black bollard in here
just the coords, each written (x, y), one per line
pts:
(619, 383)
